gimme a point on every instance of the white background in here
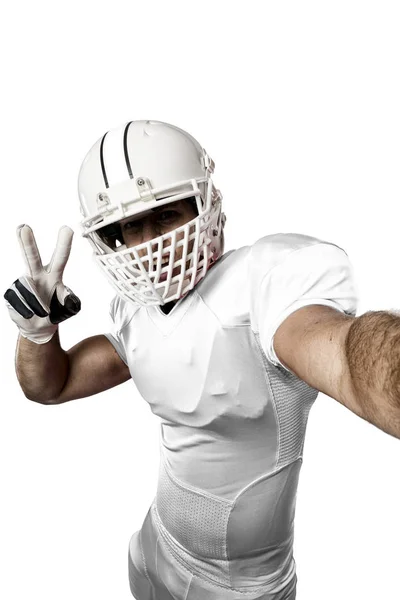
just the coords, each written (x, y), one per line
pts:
(298, 104)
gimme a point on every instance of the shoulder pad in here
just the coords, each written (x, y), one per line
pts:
(122, 312)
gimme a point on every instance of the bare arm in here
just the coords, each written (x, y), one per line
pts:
(354, 360)
(373, 354)
(50, 375)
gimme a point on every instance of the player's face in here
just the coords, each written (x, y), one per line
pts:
(136, 230)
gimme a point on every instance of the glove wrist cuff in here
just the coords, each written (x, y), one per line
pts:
(40, 337)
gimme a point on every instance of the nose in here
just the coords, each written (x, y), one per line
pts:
(148, 231)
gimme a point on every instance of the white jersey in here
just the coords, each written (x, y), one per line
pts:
(233, 418)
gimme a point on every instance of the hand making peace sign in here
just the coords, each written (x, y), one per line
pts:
(39, 300)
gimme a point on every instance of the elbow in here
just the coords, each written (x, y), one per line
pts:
(40, 399)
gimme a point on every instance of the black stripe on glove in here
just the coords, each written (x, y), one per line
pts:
(17, 304)
(30, 299)
(59, 312)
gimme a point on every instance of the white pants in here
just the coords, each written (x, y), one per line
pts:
(157, 573)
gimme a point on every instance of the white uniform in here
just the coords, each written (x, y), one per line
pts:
(233, 421)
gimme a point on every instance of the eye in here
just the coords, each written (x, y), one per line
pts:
(132, 225)
(167, 215)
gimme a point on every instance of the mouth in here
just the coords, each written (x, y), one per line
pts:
(164, 276)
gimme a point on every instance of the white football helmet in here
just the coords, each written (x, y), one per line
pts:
(131, 170)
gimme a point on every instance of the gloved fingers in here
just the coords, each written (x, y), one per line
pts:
(63, 304)
(61, 252)
(29, 250)
(23, 297)
(14, 303)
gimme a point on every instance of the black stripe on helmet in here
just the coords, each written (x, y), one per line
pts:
(102, 161)
(128, 164)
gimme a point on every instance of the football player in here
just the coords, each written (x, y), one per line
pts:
(229, 349)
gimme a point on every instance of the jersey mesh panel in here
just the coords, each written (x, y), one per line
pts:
(196, 520)
(293, 400)
(217, 569)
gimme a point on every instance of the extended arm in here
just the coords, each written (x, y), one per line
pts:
(355, 360)
(372, 350)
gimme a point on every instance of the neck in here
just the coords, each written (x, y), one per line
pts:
(166, 308)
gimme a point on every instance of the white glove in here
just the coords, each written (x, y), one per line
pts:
(38, 301)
